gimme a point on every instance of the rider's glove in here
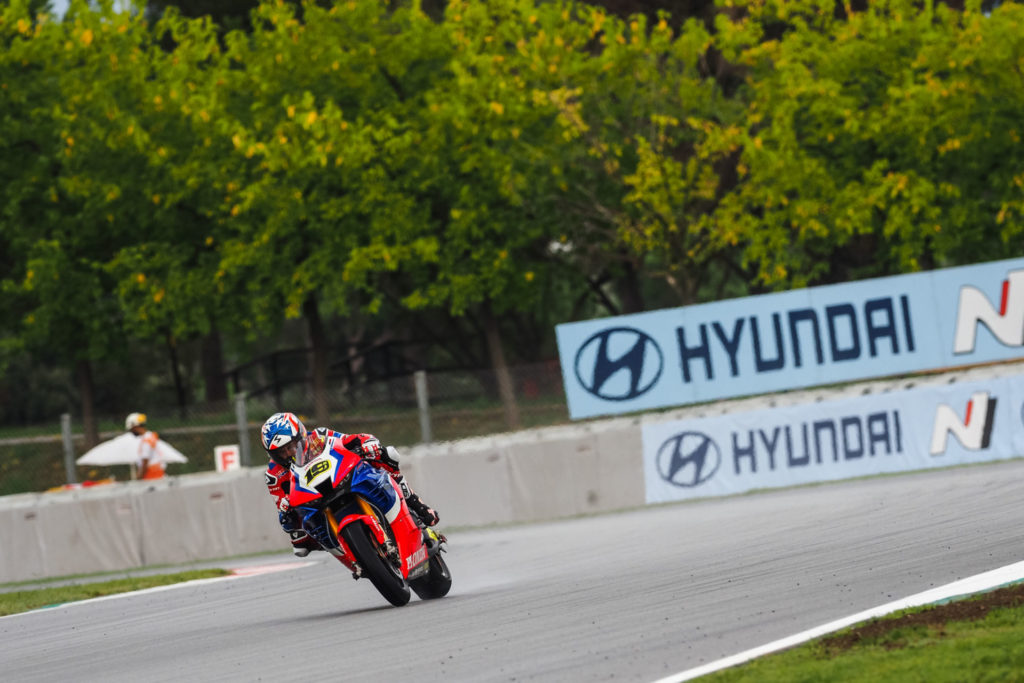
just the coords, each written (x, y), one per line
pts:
(371, 449)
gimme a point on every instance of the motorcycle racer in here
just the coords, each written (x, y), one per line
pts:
(286, 441)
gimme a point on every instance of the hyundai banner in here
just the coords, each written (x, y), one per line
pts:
(796, 339)
(899, 431)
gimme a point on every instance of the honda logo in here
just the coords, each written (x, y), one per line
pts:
(618, 364)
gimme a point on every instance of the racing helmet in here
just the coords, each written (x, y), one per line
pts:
(284, 438)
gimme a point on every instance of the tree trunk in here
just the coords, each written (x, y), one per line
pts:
(212, 362)
(500, 366)
(179, 385)
(318, 369)
(629, 290)
(87, 391)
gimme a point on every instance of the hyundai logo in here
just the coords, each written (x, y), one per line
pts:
(618, 364)
(688, 459)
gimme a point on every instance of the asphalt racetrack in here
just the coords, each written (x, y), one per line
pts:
(634, 596)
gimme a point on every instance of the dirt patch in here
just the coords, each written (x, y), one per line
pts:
(934, 618)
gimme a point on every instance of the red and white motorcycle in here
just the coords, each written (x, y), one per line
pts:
(377, 536)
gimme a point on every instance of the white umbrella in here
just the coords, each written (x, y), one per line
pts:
(124, 450)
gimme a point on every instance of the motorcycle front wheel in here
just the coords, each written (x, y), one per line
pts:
(376, 566)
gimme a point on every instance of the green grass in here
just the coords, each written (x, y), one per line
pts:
(987, 648)
(23, 601)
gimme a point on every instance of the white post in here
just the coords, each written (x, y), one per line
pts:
(242, 421)
(423, 402)
(69, 448)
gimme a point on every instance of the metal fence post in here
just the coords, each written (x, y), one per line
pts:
(423, 402)
(69, 448)
(242, 421)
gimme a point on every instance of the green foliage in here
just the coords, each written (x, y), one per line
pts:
(54, 213)
(885, 143)
(227, 14)
(160, 179)
(583, 142)
(320, 124)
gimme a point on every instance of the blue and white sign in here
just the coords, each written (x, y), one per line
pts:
(802, 338)
(892, 432)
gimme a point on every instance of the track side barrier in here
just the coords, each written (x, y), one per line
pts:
(524, 476)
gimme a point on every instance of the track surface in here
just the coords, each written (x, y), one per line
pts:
(628, 597)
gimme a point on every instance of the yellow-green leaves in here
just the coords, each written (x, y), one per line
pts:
(867, 132)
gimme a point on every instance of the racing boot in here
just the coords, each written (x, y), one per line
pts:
(423, 512)
(425, 517)
(303, 543)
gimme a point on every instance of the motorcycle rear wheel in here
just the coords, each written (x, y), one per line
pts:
(436, 583)
(385, 577)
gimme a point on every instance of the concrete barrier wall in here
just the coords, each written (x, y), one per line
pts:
(529, 476)
(136, 524)
(518, 477)
(526, 476)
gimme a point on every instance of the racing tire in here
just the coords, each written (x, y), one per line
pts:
(436, 583)
(376, 566)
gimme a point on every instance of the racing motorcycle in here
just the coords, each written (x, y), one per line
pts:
(375, 534)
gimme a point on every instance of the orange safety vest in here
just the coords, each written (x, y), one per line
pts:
(154, 470)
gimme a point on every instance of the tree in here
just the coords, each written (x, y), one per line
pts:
(226, 14)
(164, 274)
(609, 135)
(882, 142)
(318, 112)
(56, 212)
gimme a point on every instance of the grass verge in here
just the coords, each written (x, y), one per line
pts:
(23, 601)
(976, 639)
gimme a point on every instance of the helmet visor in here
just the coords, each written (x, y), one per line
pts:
(288, 453)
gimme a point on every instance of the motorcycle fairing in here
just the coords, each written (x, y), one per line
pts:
(375, 486)
(338, 467)
(333, 465)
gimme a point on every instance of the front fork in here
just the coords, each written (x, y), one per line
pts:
(372, 521)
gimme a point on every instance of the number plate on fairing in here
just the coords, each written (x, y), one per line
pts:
(320, 470)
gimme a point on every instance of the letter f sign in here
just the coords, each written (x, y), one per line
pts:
(1007, 324)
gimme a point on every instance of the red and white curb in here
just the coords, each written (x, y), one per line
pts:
(268, 568)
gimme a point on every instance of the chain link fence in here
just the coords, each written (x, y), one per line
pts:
(418, 408)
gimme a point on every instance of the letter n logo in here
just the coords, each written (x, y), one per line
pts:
(974, 433)
(1007, 324)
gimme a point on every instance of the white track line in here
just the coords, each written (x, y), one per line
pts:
(963, 587)
(239, 573)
